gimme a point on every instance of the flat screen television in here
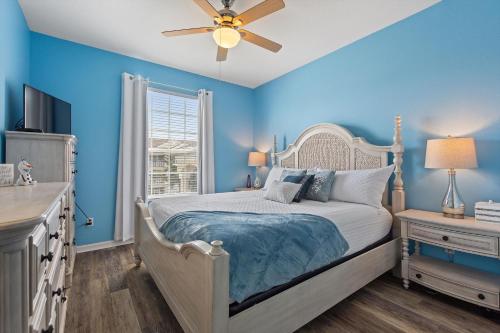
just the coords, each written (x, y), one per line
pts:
(45, 113)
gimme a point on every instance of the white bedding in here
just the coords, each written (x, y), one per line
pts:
(361, 225)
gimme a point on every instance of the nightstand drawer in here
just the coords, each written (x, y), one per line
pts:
(453, 239)
(464, 292)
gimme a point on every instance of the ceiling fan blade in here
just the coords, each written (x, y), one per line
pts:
(182, 32)
(262, 9)
(207, 7)
(221, 54)
(260, 41)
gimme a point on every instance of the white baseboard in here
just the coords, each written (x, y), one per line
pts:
(101, 245)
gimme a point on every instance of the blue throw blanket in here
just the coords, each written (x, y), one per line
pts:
(265, 250)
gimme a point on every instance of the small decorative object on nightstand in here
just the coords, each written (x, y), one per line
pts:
(257, 159)
(488, 212)
(451, 153)
(467, 235)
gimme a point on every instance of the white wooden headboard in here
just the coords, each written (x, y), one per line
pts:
(330, 146)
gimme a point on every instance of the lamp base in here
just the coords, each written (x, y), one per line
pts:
(257, 183)
(453, 206)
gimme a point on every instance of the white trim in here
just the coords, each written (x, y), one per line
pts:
(101, 245)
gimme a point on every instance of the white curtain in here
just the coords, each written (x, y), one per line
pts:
(132, 160)
(206, 170)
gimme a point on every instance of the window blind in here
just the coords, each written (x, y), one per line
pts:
(172, 143)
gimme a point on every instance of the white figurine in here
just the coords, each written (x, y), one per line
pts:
(24, 168)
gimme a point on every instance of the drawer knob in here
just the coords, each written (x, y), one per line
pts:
(57, 292)
(66, 243)
(48, 257)
(63, 216)
(64, 299)
(74, 171)
(445, 238)
(74, 217)
(74, 193)
(75, 152)
(64, 257)
(418, 275)
(66, 209)
(49, 329)
(54, 235)
(481, 297)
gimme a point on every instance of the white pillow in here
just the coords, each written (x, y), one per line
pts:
(282, 191)
(361, 186)
(275, 174)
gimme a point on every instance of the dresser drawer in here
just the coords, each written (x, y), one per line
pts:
(72, 172)
(64, 205)
(38, 263)
(53, 226)
(39, 317)
(73, 153)
(55, 277)
(480, 244)
(462, 291)
(56, 298)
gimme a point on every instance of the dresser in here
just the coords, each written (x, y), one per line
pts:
(467, 235)
(53, 157)
(35, 243)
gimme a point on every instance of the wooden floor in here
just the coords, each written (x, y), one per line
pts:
(110, 295)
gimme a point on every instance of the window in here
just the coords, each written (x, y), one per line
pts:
(172, 143)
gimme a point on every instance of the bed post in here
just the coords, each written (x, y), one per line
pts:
(398, 191)
(137, 230)
(274, 159)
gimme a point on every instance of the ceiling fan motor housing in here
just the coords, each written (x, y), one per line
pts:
(227, 3)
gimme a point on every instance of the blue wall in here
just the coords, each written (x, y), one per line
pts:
(439, 69)
(90, 79)
(14, 65)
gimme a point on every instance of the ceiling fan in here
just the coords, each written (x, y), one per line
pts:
(227, 31)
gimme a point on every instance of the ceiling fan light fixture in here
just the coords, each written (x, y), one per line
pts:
(226, 37)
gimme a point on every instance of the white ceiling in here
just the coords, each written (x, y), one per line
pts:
(307, 29)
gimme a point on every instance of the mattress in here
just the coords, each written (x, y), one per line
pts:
(361, 225)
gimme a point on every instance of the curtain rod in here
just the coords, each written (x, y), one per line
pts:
(165, 85)
(172, 86)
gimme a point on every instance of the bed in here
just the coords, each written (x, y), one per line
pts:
(193, 277)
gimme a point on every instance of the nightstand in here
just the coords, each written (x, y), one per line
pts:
(245, 189)
(467, 235)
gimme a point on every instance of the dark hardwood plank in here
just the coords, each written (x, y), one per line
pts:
(124, 315)
(111, 295)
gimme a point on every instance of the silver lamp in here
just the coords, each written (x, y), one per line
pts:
(257, 159)
(451, 153)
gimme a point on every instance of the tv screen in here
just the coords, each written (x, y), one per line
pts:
(46, 113)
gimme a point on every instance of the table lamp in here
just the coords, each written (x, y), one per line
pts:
(451, 153)
(257, 159)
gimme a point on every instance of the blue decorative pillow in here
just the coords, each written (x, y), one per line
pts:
(289, 172)
(293, 179)
(306, 182)
(321, 186)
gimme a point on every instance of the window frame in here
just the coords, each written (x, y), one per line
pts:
(148, 143)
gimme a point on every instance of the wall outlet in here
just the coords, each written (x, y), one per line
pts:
(90, 222)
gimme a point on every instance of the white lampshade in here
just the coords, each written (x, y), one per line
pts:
(451, 153)
(256, 159)
(226, 37)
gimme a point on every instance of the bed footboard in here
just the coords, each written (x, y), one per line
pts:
(192, 277)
